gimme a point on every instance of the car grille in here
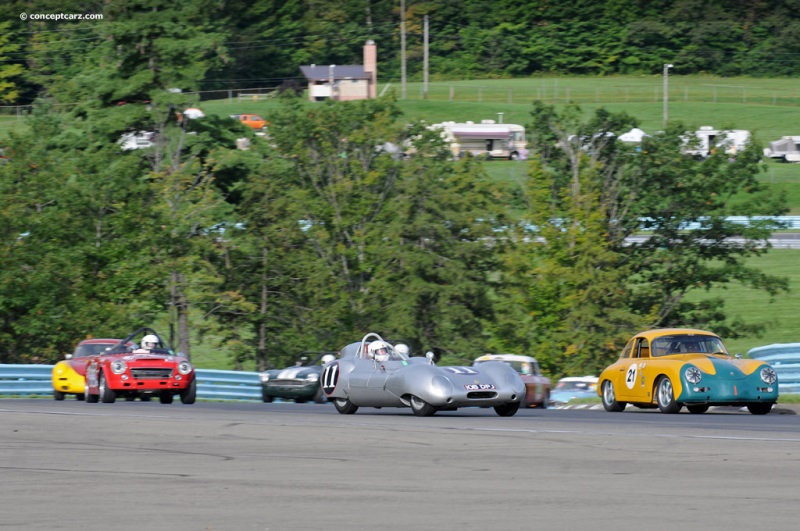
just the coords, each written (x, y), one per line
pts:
(478, 395)
(296, 383)
(151, 374)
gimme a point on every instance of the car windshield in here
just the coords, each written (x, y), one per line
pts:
(687, 344)
(522, 367)
(573, 386)
(91, 350)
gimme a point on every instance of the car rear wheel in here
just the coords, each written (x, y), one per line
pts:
(166, 398)
(422, 408)
(759, 408)
(107, 396)
(80, 396)
(610, 399)
(90, 398)
(189, 395)
(58, 395)
(665, 395)
(697, 408)
(300, 400)
(508, 409)
(344, 406)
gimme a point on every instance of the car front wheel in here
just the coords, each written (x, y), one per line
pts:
(666, 396)
(58, 395)
(107, 396)
(697, 408)
(422, 408)
(610, 399)
(166, 397)
(189, 395)
(759, 408)
(509, 409)
(344, 406)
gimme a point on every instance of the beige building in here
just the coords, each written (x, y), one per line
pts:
(344, 82)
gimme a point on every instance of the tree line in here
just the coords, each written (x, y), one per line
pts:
(257, 43)
(317, 234)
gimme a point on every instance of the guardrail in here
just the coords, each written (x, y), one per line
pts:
(785, 359)
(211, 384)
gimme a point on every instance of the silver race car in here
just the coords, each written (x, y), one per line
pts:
(374, 373)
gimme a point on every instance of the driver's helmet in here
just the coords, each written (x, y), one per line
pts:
(402, 349)
(149, 341)
(327, 358)
(379, 350)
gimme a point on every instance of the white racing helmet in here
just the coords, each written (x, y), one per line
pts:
(149, 341)
(379, 351)
(402, 349)
(327, 358)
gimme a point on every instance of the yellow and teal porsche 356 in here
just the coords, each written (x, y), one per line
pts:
(674, 367)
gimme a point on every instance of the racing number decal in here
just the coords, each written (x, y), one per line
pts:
(630, 376)
(330, 377)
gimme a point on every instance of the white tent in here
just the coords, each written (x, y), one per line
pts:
(634, 135)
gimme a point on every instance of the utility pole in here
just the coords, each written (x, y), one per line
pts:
(403, 49)
(425, 62)
(666, 90)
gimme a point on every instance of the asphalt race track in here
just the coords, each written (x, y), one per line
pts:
(279, 467)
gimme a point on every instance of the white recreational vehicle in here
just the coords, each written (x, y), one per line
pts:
(487, 139)
(708, 140)
(786, 149)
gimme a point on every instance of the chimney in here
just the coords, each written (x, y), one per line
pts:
(371, 67)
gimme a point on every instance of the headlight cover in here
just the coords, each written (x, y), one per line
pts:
(693, 375)
(313, 377)
(768, 375)
(184, 367)
(118, 366)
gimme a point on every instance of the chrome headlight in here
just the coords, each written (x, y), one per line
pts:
(264, 377)
(184, 367)
(769, 375)
(313, 377)
(693, 375)
(118, 366)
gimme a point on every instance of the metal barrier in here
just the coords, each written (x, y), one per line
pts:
(36, 380)
(785, 359)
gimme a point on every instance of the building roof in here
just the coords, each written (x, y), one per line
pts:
(323, 72)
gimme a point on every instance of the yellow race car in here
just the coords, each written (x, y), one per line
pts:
(674, 367)
(69, 375)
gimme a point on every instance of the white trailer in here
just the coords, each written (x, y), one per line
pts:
(707, 140)
(486, 139)
(787, 149)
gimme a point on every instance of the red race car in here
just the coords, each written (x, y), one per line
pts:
(140, 369)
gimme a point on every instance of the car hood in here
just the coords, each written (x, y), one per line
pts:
(149, 357)
(722, 367)
(293, 373)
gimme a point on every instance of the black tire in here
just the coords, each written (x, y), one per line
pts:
(265, 397)
(92, 399)
(422, 408)
(189, 395)
(665, 396)
(759, 408)
(300, 400)
(697, 409)
(80, 397)
(107, 396)
(166, 397)
(130, 398)
(344, 406)
(545, 401)
(514, 156)
(610, 398)
(144, 398)
(320, 397)
(58, 395)
(509, 409)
